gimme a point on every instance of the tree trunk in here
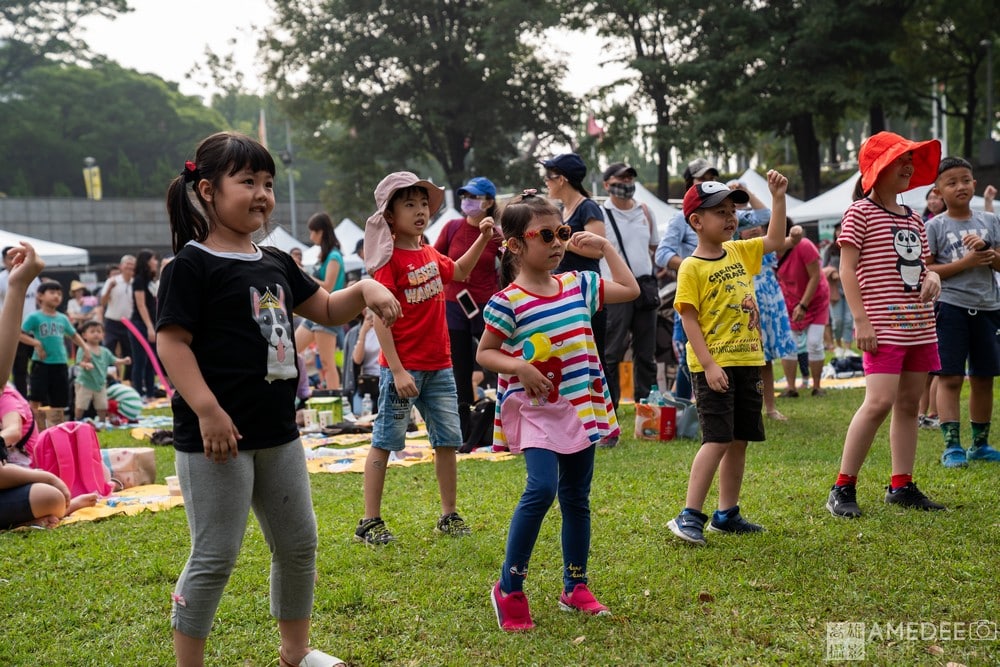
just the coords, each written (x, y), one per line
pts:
(969, 120)
(807, 147)
(876, 118)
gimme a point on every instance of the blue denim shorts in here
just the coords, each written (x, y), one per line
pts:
(337, 331)
(437, 401)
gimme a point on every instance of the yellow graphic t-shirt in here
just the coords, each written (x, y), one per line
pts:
(721, 290)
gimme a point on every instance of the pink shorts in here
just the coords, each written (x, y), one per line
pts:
(892, 359)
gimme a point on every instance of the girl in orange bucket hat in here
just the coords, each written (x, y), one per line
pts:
(883, 271)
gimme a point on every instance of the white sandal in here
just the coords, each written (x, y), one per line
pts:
(314, 658)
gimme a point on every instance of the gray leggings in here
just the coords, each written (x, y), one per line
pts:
(217, 500)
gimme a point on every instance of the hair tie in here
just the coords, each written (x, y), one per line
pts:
(530, 192)
(503, 245)
(190, 172)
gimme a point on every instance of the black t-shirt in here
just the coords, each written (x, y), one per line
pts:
(238, 309)
(141, 284)
(587, 210)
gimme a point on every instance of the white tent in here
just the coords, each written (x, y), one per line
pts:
(54, 254)
(662, 212)
(281, 239)
(348, 233)
(831, 204)
(757, 184)
(448, 213)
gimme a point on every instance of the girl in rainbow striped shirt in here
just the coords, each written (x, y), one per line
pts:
(553, 404)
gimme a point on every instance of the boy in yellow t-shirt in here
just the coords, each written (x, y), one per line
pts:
(716, 303)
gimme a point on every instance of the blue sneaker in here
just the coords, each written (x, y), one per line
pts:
(689, 526)
(983, 453)
(954, 457)
(732, 523)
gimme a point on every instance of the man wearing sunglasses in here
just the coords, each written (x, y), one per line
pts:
(631, 230)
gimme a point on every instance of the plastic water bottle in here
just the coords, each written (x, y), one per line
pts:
(655, 397)
(366, 405)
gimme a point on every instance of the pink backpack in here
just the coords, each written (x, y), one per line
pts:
(71, 452)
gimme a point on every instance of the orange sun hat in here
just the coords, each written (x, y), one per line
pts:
(879, 151)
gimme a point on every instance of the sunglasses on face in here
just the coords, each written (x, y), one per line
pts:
(551, 177)
(563, 232)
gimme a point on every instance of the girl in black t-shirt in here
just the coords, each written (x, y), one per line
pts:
(224, 336)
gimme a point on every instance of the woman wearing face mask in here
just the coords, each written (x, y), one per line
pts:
(465, 300)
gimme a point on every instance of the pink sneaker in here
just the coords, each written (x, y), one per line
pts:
(512, 610)
(581, 599)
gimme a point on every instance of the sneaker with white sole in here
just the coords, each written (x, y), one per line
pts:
(912, 497)
(732, 522)
(843, 502)
(511, 609)
(581, 599)
(373, 532)
(689, 525)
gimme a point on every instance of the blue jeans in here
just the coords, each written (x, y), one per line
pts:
(551, 474)
(437, 401)
(683, 389)
(143, 375)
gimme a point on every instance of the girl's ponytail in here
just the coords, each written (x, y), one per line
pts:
(186, 222)
(508, 267)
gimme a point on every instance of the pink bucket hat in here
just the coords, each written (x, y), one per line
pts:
(879, 150)
(378, 234)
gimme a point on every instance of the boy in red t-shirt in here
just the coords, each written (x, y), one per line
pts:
(416, 355)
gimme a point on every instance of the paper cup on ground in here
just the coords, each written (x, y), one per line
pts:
(173, 485)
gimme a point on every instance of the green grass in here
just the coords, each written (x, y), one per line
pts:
(99, 593)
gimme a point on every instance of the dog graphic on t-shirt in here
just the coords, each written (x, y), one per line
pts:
(272, 318)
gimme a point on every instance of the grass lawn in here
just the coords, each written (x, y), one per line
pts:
(99, 593)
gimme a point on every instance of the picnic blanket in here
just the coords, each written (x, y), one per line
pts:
(348, 453)
(147, 498)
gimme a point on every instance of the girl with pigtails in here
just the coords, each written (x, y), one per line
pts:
(225, 338)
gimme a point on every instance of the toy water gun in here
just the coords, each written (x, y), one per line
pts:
(537, 351)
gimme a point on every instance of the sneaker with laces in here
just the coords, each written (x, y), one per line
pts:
(512, 610)
(954, 457)
(983, 453)
(843, 502)
(732, 522)
(452, 524)
(928, 422)
(581, 599)
(689, 526)
(910, 496)
(373, 532)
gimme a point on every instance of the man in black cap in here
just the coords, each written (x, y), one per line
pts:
(631, 229)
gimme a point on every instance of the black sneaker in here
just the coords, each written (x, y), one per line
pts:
(689, 526)
(452, 524)
(910, 496)
(373, 532)
(733, 523)
(843, 502)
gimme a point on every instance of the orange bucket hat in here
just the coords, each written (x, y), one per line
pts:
(879, 151)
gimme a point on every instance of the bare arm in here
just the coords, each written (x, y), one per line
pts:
(405, 385)
(490, 356)
(778, 185)
(331, 309)
(595, 227)
(331, 273)
(26, 266)
(218, 432)
(467, 262)
(714, 375)
(622, 287)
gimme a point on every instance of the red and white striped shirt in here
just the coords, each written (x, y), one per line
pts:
(891, 269)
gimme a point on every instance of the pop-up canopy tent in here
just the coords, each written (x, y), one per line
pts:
(662, 212)
(757, 184)
(54, 254)
(281, 239)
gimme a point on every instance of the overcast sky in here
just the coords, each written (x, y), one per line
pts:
(169, 38)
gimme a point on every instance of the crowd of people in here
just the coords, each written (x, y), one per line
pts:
(548, 292)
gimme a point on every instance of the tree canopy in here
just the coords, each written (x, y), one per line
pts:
(446, 84)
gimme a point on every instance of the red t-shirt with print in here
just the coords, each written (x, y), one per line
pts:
(417, 278)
